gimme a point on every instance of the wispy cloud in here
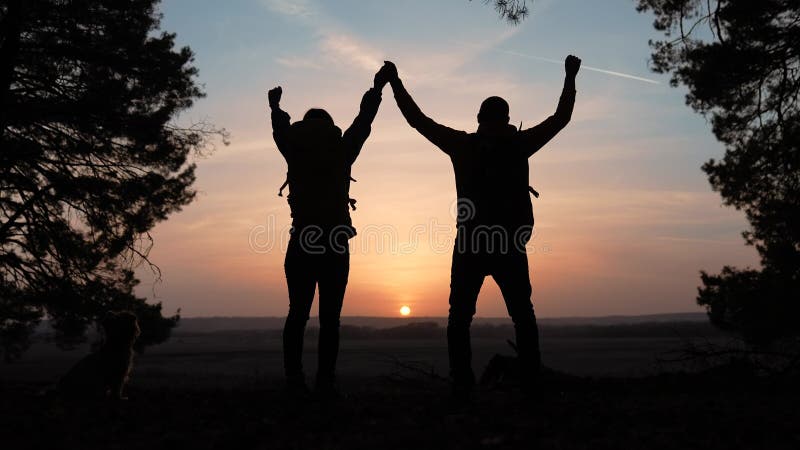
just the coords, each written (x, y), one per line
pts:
(493, 47)
(297, 62)
(344, 47)
(335, 44)
(583, 66)
(443, 68)
(297, 8)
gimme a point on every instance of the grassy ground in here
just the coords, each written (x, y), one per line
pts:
(708, 411)
(223, 360)
(210, 391)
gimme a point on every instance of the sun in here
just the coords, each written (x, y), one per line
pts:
(405, 310)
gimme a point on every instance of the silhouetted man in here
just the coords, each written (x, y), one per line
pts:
(495, 218)
(319, 157)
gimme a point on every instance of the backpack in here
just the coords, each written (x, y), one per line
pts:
(319, 175)
(350, 200)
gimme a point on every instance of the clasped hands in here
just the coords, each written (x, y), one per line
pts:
(388, 74)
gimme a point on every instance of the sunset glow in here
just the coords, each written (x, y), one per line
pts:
(405, 310)
(626, 219)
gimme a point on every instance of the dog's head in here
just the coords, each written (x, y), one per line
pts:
(121, 327)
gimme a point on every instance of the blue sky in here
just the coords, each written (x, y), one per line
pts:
(626, 219)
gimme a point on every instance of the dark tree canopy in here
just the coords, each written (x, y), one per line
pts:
(90, 160)
(514, 11)
(740, 61)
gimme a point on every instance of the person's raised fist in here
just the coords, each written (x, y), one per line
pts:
(572, 64)
(274, 97)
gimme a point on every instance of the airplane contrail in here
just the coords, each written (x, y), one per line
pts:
(593, 69)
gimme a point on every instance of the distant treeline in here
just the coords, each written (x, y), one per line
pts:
(190, 325)
(433, 330)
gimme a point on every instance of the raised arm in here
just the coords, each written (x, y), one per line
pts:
(535, 138)
(356, 135)
(280, 119)
(447, 139)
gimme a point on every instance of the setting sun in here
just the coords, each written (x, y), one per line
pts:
(405, 310)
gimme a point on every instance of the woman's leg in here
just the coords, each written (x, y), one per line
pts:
(332, 286)
(301, 281)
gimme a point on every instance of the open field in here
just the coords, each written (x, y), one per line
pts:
(223, 360)
(223, 389)
(711, 411)
(229, 357)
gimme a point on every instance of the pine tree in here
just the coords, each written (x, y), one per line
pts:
(90, 160)
(740, 61)
(514, 11)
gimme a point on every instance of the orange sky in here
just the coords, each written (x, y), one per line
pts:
(625, 221)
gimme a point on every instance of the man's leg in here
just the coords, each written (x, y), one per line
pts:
(466, 280)
(510, 271)
(301, 283)
(332, 285)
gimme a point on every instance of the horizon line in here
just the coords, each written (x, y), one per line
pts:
(445, 317)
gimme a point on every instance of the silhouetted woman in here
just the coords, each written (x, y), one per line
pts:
(319, 157)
